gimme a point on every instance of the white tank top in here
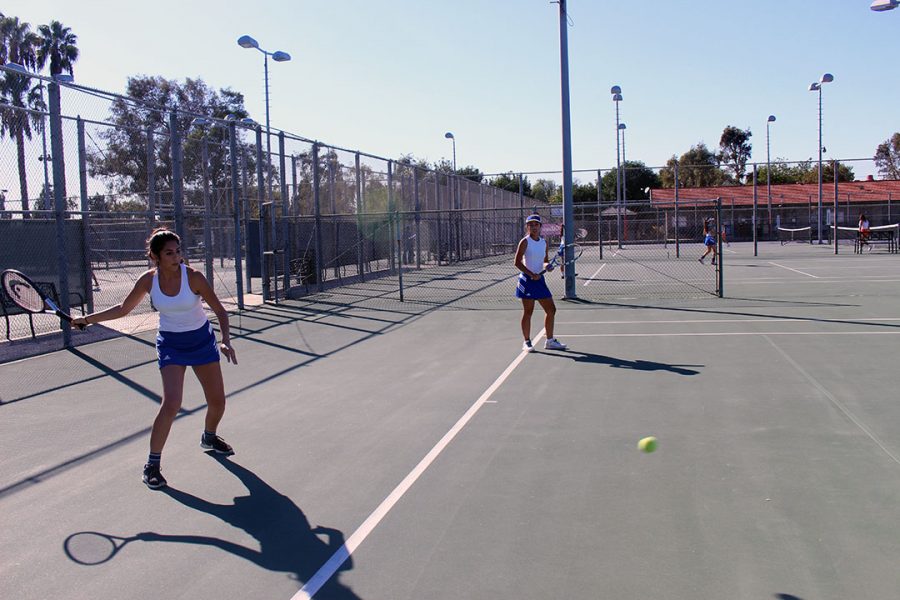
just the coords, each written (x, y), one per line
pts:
(535, 252)
(182, 312)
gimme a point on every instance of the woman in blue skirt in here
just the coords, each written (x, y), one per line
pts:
(531, 259)
(185, 339)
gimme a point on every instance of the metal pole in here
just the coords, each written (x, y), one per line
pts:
(618, 183)
(177, 178)
(819, 205)
(437, 199)
(260, 202)
(418, 218)
(768, 179)
(242, 203)
(207, 211)
(268, 133)
(834, 218)
(359, 222)
(677, 223)
(624, 215)
(318, 214)
(59, 196)
(85, 218)
(236, 206)
(600, 212)
(45, 157)
(285, 208)
(755, 247)
(568, 210)
(720, 268)
(151, 180)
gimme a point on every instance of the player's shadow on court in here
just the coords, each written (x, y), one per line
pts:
(621, 363)
(287, 542)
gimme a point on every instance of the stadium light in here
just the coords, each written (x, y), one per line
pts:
(816, 86)
(884, 5)
(245, 41)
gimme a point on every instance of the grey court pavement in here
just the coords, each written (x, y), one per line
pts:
(393, 451)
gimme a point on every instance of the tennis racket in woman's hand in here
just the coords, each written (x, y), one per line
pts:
(27, 296)
(560, 254)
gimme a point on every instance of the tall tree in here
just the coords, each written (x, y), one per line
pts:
(18, 94)
(58, 44)
(734, 151)
(510, 182)
(887, 157)
(697, 167)
(638, 177)
(804, 172)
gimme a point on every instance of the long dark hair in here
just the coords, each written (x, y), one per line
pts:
(158, 240)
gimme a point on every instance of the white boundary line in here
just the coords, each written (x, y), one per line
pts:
(327, 571)
(783, 320)
(597, 272)
(727, 333)
(794, 270)
(837, 403)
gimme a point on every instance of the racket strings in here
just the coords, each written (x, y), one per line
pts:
(22, 293)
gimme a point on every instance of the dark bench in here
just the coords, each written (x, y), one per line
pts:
(10, 308)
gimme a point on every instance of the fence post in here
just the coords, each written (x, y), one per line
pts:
(318, 214)
(243, 205)
(177, 180)
(720, 268)
(418, 218)
(207, 211)
(437, 203)
(360, 237)
(834, 217)
(285, 229)
(59, 197)
(151, 180)
(87, 274)
(236, 206)
(600, 212)
(260, 202)
(677, 222)
(755, 199)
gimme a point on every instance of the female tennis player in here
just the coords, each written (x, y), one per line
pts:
(185, 338)
(709, 239)
(531, 260)
(864, 229)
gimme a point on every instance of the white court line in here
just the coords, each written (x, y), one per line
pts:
(794, 270)
(327, 571)
(784, 320)
(595, 274)
(729, 333)
(836, 403)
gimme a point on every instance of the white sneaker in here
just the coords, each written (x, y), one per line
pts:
(527, 347)
(554, 344)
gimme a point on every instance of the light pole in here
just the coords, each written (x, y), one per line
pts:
(455, 188)
(817, 87)
(245, 41)
(771, 119)
(616, 92)
(884, 5)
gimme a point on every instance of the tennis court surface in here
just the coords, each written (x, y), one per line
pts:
(389, 450)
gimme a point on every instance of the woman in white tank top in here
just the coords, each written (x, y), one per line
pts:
(531, 261)
(185, 338)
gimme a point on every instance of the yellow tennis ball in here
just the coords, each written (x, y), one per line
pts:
(647, 444)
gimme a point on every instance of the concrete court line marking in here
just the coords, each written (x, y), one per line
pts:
(794, 270)
(327, 570)
(727, 333)
(597, 272)
(837, 403)
(784, 320)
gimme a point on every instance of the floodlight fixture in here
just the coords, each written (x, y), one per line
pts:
(245, 41)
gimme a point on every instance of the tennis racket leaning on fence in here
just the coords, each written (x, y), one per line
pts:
(27, 296)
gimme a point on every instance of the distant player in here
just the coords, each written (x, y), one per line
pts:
(864, 230)
(709, 239)
(531, 259)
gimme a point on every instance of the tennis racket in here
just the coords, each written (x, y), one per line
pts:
(28, 296)
(577, 251)
(93, 548)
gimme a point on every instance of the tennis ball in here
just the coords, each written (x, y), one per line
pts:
(647, 444)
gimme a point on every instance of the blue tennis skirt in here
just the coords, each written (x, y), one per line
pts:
(529, 289)
(197, 347)
(709, 240)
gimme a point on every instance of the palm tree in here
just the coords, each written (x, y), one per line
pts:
(57, 42)
(19, 45)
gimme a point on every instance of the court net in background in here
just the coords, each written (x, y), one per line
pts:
(881, 235)
(787, 235)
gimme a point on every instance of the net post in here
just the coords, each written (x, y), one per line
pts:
(236, 208)
(834, 218)
(59, 197)
(720, 269)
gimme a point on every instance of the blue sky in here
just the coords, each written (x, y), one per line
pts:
(390, 78)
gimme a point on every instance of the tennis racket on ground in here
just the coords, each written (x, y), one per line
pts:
(28, 296)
